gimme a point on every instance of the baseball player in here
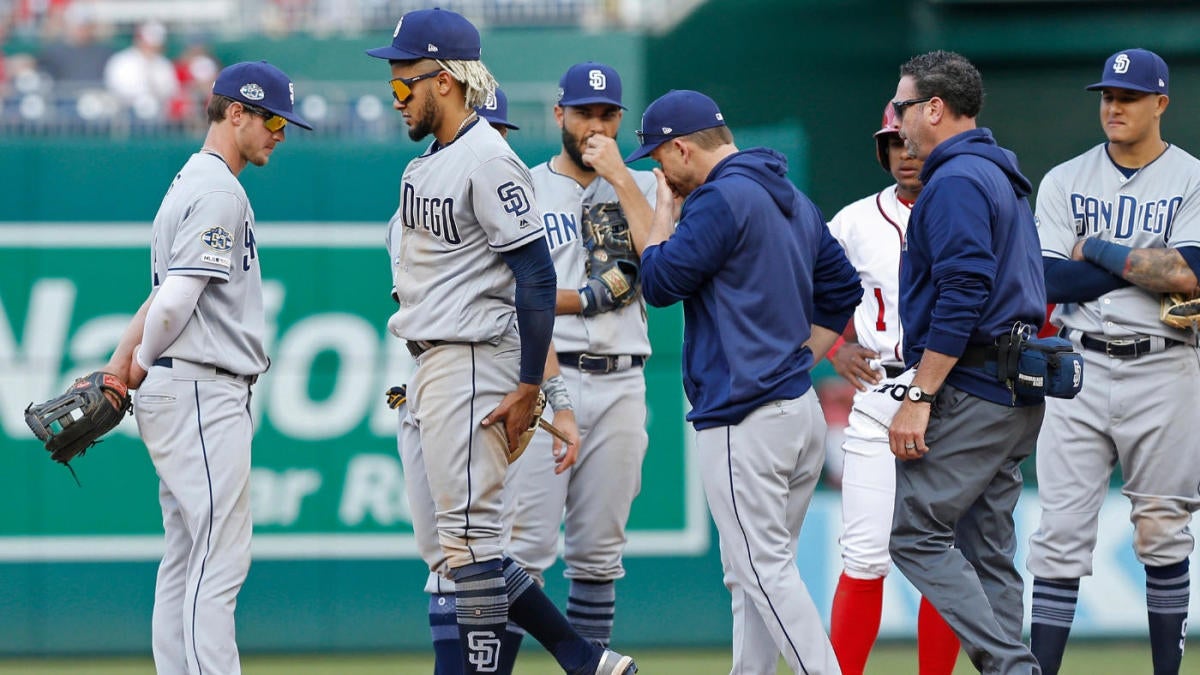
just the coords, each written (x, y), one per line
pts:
(1119, 226)
(194, 349)
(495, 111)
(766, 291)
(871, 230)
(600, 350)
(475, 286)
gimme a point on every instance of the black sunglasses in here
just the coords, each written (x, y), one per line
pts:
(271, 121)
(899, 107)
(402, 86)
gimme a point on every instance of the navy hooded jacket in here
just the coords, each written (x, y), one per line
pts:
(755, 266)
(972, 264)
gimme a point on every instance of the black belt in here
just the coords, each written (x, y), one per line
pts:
(977, 356)
(168, 362)
(600, 363)
(1124, 348)
(893, 371)
(419, 347)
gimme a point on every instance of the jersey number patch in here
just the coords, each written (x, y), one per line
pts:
(880, 324)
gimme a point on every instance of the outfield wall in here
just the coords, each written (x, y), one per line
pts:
(334, 557)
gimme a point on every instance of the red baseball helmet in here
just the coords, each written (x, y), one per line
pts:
(884, 135)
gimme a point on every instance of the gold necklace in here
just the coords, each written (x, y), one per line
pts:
(462, 125)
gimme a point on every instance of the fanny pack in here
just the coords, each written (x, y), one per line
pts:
(1037, 366)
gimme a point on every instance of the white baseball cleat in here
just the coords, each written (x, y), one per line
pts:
(612, 663)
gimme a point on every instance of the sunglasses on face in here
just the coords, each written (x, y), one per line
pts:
(271, 121)
(899, 107)
(402, 86)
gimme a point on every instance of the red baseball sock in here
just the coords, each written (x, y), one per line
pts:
(854, 621)
(937, 645)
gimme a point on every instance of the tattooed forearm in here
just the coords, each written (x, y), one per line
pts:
(1161, 270)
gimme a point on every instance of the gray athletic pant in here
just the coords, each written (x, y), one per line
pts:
(952, 530)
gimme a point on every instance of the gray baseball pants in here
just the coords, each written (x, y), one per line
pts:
(952, 530)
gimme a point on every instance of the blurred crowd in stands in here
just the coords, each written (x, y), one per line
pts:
(115, 67)
(79, 60)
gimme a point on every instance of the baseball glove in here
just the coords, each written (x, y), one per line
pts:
(71, 423)
(613, 267)
(527, 435)
(396, 396)
(1180, 310)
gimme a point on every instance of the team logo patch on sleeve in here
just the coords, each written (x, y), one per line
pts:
(218, 239)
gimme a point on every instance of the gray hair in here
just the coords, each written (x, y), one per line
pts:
(478, 82)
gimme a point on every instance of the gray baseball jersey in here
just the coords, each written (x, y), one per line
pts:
(1158, 207)
(595, 495)
(205, 227)
(621, 331)
(459, 208)
(193, 415)
(1136, 411)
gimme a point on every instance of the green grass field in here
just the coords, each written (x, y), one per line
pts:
(1083, 658)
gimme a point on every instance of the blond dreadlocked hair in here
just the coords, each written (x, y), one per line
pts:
(476, 79)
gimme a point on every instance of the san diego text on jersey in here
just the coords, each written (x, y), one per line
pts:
(1095, 214)
(434, 214)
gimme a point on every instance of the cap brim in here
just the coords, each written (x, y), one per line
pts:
(503, 123)
(591, 100)
(390, 53)
(643, 151)
(1118, 84)
(295, 119)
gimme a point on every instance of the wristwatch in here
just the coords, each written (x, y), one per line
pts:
(917, 395)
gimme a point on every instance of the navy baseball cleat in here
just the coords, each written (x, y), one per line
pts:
(612, 663)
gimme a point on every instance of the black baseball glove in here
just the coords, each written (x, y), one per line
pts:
(613, 267)
(71, 423)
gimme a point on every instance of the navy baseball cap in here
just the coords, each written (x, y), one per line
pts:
(1136, 69)
(674, 114)
(495, 110)
(590, 82)
(431, 34)
(260, 84)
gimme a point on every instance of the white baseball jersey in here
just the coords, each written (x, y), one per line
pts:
(1158, 207)
(561, 198)
(205, 227)
(872, 232)
(460, 206)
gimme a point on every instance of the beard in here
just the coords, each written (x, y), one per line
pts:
(424, 126)
(570, 143)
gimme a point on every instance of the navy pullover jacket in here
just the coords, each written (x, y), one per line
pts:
(972, 263)
(754, 265)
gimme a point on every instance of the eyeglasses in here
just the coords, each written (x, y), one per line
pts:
(271, 121)
(402, 86)
(899, 107)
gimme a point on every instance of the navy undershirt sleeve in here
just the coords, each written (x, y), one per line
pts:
(535, 295)
(1077, 280)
